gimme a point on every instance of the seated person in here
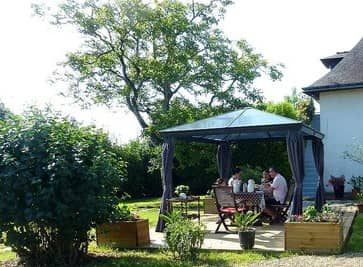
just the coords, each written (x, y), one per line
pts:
(266, 181)
(266, 178)
(235, 176)
(220, 182)
(279, 191)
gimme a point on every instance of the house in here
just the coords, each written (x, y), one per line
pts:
(340, 95)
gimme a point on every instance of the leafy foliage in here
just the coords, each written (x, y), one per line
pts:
(141, 179)
(357, 183)
(282, 108)
(261, 155)
(303, 104)
(359, 197)
(57, 180)
(142, 55)
(355, 154)
(4, 112)
(254, 173)
(183, 237)
(122, 213)
(327, 214)
(245, 221)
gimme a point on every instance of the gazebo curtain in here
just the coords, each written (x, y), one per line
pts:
(224, 159)
(166, 177)
(318, 152)
(295, 151)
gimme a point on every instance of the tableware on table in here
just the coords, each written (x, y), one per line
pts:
(251, 185)
(236, 186)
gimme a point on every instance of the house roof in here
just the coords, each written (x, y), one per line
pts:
(247, 123)
(331, 61)
(347, 74)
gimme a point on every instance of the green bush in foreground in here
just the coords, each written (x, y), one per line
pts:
(57, 180)
(183, 237)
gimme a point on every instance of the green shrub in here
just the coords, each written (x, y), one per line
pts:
(57, 180)
(183, 237)
(245, 221)
(254, 173)
(140, 181)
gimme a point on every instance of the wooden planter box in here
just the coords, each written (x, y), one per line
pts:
(210, 206)
(320, 237)
(125, 234)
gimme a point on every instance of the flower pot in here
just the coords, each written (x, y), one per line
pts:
(247, 238)
(314, 237)
(123, 234)
(339, 191)
(210, 206)
(360, 207)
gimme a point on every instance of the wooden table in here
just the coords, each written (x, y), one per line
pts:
(183, 206)
(255, 200)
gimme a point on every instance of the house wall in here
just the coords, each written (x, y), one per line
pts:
(341, 120)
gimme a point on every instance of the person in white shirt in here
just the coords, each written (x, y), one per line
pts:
(279, 191)
(236, 175)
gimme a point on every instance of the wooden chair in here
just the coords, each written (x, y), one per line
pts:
(226, 205)
(282, 209)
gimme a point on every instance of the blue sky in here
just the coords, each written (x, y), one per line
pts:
(295, 33)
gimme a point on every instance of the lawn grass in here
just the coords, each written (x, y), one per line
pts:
(143, 203)
(104, 257)
(355, 242)
(148, 208)
(157, 258)
(150, 214)
(6, 256)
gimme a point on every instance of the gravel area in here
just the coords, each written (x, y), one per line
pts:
(342, 260)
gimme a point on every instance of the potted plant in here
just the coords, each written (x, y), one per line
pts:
(338, 185)
(209, 203)
(246, 232)
(314, 231)
(357, 185)
(182, 191)
(359, 198)
(124, 230)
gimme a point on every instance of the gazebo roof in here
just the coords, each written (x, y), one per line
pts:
(248, 123)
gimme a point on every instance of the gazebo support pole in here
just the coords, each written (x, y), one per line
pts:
(167, 155)
(224, 160)
(318, 152)
(295, 151)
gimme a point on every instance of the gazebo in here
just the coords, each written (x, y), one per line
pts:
(240, 125)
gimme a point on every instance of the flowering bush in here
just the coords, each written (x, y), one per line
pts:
(310, 214)
(181, 189)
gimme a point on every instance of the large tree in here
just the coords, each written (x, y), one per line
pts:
(142, 55)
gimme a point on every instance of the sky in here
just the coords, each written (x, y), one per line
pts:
(294, 33)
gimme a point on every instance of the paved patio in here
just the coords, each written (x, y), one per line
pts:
(268, 237)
